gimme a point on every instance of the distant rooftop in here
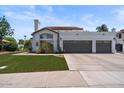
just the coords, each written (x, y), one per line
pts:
(122, 30)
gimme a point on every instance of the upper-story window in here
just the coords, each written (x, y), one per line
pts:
(119, 36)
(46, 36)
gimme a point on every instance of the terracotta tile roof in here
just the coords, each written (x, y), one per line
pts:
(64, 28)
(60, 28)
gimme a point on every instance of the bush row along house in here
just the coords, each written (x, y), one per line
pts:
(75, 40)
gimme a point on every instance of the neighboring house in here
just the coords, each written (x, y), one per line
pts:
(21, 44)
(120, 41)
(73, 39)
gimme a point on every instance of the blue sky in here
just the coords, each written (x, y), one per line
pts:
(89, 17)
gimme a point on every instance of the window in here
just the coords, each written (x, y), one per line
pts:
(46, 36)
(119, 36)
(49, 36)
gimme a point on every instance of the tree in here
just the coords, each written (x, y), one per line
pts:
(25, 37)
(27, 45)
(5, 29)
(102, 28)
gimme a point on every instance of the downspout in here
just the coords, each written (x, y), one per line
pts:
(58, 43)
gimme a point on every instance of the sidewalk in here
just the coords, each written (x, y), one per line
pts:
(68, 79)
(4, 52)
(42, 79)
(35, 54)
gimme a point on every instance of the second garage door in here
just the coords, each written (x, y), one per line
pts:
(103, 46)
(75, 46)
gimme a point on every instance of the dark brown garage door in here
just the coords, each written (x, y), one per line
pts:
(71, 46)
(103, 47)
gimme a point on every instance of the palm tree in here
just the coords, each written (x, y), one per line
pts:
(25, 37)
(102, 28)
(24, 40)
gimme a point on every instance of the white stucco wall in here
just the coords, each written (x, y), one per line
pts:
(121, 40)
(88, 36)
(36, 38)
(75, 36)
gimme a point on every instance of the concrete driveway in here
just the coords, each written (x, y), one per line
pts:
(98, 70)
(95, 62)
(86, 70)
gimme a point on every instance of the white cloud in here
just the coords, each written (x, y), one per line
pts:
(90, 20)
(119, 14)
(50, 19)
(45, 19)
(87, 18)
(48, 8)
(32, 7)
(26, 15)
(30, 13)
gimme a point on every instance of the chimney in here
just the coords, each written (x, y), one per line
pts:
(36, 24)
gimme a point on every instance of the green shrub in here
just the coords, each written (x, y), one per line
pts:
(46, 48)
(11, 47)
(10, 39)
(28, 46)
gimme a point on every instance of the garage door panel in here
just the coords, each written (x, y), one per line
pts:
(103, 46)
(71, 46)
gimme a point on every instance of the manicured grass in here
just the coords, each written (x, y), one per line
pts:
(31, 63)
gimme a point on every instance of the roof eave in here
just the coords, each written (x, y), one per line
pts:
(43, 29)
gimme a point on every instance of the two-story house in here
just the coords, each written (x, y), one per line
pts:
(71, 39)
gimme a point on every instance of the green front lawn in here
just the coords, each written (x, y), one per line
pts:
(31, 63)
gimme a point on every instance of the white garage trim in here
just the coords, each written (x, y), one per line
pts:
(60, 36)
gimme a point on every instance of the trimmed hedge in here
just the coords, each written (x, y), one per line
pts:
(11, 47)
(10, 39)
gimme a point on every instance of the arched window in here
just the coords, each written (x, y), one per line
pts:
(46, 36)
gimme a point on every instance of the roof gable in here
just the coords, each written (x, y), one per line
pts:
(56, 29)
(42, 30)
